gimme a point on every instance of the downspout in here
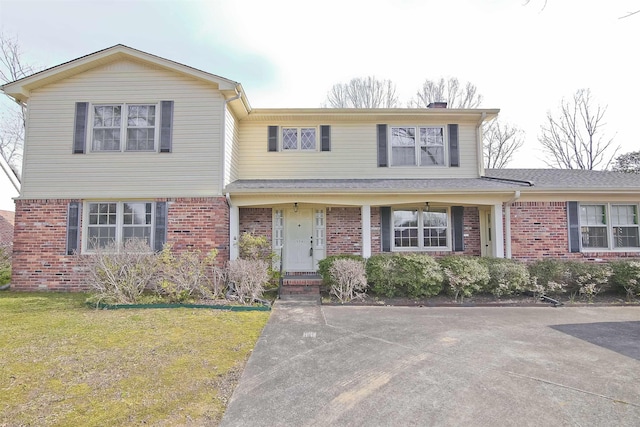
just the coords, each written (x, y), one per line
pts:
(507, 223)
(479, 145)
(234, 211)
(10, 173)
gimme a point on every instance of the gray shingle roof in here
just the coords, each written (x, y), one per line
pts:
(550, 179)
(495, 180)
(374, 185)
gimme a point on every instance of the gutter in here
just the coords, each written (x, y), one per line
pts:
(507, 222)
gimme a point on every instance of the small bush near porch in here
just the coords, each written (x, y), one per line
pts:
(64, 364)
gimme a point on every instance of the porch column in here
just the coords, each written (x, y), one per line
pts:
(234, 232)
(366, 230)
(498, 230)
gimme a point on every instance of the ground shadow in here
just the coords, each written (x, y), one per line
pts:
(621, 337)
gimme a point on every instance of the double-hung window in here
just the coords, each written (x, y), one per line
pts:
(609, 226)
(421, 229)
(124, 127)
(118, 222)
(417, 146)
(303, 138)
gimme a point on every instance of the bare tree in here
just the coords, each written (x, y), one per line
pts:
(574, 137)
(449, 91)
(363, 92)
(501, 141)
(628, 162)
(12, 123)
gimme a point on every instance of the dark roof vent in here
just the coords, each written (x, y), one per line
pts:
(439, 104)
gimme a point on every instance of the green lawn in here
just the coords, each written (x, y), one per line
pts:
(64, 364)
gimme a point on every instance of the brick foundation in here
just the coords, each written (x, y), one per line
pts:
(40, 261)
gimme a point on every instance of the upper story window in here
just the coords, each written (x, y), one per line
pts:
(417, 146)
(298, 138)
(421, 228)
(135, 124)
(609, 226)
(304, 138)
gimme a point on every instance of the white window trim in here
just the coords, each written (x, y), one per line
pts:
(609, 226)
(445, 145)
(421, 247)
(119, 222)
(123, 126)
(299, 148)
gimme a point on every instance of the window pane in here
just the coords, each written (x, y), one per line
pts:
(140, 139)
(106, 140)
(405, 225)
(624, 215)
(592, 215)
(289, 138)
(100, 237)
(435, 218)
(435, 227)
(308, 138)
(432, 156)
(139, 233)
(625, 237)
(403, 156)
(594, 237)
(432, 136)
(141, 116)
(106, 116)
(403, 137)
(435, 237)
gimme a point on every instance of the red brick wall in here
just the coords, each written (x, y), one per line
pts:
(199, 224)
(471, 237)
(344, 231)
(540, 230)
(39, 259)
(257, 221)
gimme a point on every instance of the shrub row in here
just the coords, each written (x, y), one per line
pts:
(131, 274)
(420, 275)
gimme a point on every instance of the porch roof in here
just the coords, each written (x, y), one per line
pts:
(569, 179)
(374, 185)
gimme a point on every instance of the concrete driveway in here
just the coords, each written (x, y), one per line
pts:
(324, 366)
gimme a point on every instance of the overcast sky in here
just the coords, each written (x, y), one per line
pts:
(524, 58)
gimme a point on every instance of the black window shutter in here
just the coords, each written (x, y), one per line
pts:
(273, 138)
(457, 212)
(385, 228)
(574, 226)
(325, 138)
(160, 233)
(454, 151)
(166, 126)
(382, 146)
(73, 227)
(80, 128)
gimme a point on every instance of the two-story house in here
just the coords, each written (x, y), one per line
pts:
(123, 144)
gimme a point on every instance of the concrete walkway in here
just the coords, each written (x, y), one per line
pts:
(389, 366)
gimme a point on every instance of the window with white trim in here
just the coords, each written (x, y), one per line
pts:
(135, 124)
(320, 229)
(303, 138)
(117, 222)
(421, 229)
(609, 226)
(417, 146)
(278, 228)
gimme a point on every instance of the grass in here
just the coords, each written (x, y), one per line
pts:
(64, 364)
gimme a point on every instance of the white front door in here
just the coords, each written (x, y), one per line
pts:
(298, 236)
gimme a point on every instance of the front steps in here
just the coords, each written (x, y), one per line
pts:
(300, 285)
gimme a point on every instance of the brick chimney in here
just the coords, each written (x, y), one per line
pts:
(438, 104)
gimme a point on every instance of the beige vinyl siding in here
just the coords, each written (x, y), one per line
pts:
(191, 169)
(353, 155)
(231, 147)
